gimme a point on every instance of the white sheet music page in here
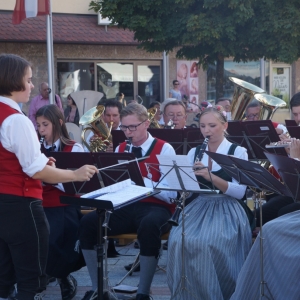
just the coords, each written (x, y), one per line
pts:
(187, 174)
(119, 193)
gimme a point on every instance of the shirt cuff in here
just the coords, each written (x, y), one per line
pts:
(37, 166)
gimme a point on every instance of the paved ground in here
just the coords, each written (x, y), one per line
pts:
(116, 271)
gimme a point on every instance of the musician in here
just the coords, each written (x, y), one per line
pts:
(111, 114)
(175, 111)
(226, 103)
(156, 105)
(295, 107)
(253, 114)
(24, 228)
(148, 217)
(218, 235)
(63, 219)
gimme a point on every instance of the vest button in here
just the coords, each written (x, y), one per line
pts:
(26, 190)
(26, 178)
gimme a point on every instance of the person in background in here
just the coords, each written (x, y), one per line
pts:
(175, 111)
(24, 229)
(226, 104)
(295, 107)
(156, 105)
(42, 99)
(147, 217)
(63, 219)
(121, 98)
(253, 114)
(175, 92)
(71, 112)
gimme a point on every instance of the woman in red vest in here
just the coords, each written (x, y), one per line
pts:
(24, 228)
(63, 219)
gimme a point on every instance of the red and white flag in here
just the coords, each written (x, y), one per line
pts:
(29, 9)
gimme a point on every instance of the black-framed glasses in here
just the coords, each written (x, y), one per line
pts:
(252, 116)
(131, 127)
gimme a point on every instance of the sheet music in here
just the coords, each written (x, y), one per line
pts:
(187, 174)
(119, 192)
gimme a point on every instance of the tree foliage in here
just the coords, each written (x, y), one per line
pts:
(211, 30)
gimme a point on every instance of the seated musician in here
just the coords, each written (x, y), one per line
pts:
(176, 111)
(147, 217)
(295, 107)
(226, 103)
(218, 235)
(63, 219)
(253, 114)
(111, 115)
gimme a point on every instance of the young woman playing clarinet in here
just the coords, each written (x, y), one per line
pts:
(217, 231)
(63, 219)
(24, 228)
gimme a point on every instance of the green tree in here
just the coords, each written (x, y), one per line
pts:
(211, 30)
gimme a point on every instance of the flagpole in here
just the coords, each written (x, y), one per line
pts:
(50, 56)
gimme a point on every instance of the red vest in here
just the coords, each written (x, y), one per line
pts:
(13, 180)
(50, 193)
(275, 124)
(155, 174)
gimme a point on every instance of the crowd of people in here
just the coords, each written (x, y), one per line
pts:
(220, 261)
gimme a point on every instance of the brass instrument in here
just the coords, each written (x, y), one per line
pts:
(243, 94)
(151, 115)
(269, 105)
(102, 134)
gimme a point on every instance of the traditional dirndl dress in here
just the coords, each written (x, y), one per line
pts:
(281, 249)
(217, 241)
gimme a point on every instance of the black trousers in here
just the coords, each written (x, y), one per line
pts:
(63, 255)
(147, 219)
(24, 233)
(274, 208)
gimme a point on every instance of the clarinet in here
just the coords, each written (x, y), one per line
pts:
(42, 140)
(128, 144)
(202, 149)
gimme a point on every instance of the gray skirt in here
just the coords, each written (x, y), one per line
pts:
(281, 246)
(217, 241)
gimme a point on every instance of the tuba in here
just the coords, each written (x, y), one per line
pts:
(243, 94)
(151, 115)
(103, 137)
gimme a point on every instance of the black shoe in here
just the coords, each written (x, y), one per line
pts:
(128, 268)
(68, 287)
(142, 297)
(165, 245)
(89, 295)
(136, 245)
(114, 253)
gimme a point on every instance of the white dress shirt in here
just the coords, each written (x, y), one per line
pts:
(17, 135)
(234, 189)
(167, 149)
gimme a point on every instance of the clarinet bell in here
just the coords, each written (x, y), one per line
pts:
(174, 219)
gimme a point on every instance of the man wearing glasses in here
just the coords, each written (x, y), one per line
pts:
(175, 111)
(253, 114)
(147, 217)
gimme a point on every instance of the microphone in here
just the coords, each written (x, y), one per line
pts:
(202, 149)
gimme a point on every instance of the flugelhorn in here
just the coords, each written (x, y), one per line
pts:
(151, 115)
(102, 134)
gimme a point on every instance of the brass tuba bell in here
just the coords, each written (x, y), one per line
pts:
(102, 138)
(151, 115)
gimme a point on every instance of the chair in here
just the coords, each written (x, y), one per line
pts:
(74, 132)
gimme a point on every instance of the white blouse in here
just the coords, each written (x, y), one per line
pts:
(234, 189)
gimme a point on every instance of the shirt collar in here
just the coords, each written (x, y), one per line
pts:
(13, 104)
(57, 144)
(146, 145)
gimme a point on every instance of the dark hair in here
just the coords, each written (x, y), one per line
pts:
(153, 103)
(223, 99)
(12, 71)
(174, 81)
(52, 113)
(295, 101)
(253, 103)
(113, 103)
(73, 102)
(175, 102)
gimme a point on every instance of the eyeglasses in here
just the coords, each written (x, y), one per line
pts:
(170, 116)
(131, 127)
(252, 116)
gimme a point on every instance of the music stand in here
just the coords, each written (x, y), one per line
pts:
(289, 170)
(261, 179)
(192, 137)
(294, 131)
(290, 123)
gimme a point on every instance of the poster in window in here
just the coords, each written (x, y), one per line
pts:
(281, 83)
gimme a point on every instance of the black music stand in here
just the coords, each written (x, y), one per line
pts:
(192, 137)
(290, 123)
(294, 131)
(118, 137)
(252, 174)
(289, 171)
(254, 135)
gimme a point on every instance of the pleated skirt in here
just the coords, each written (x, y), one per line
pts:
(281, 263)
(217, 239)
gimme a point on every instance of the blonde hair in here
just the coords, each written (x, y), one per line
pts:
(135, 109)
(217, 110)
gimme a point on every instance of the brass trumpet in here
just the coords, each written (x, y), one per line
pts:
(102, 134)
(151, 115)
